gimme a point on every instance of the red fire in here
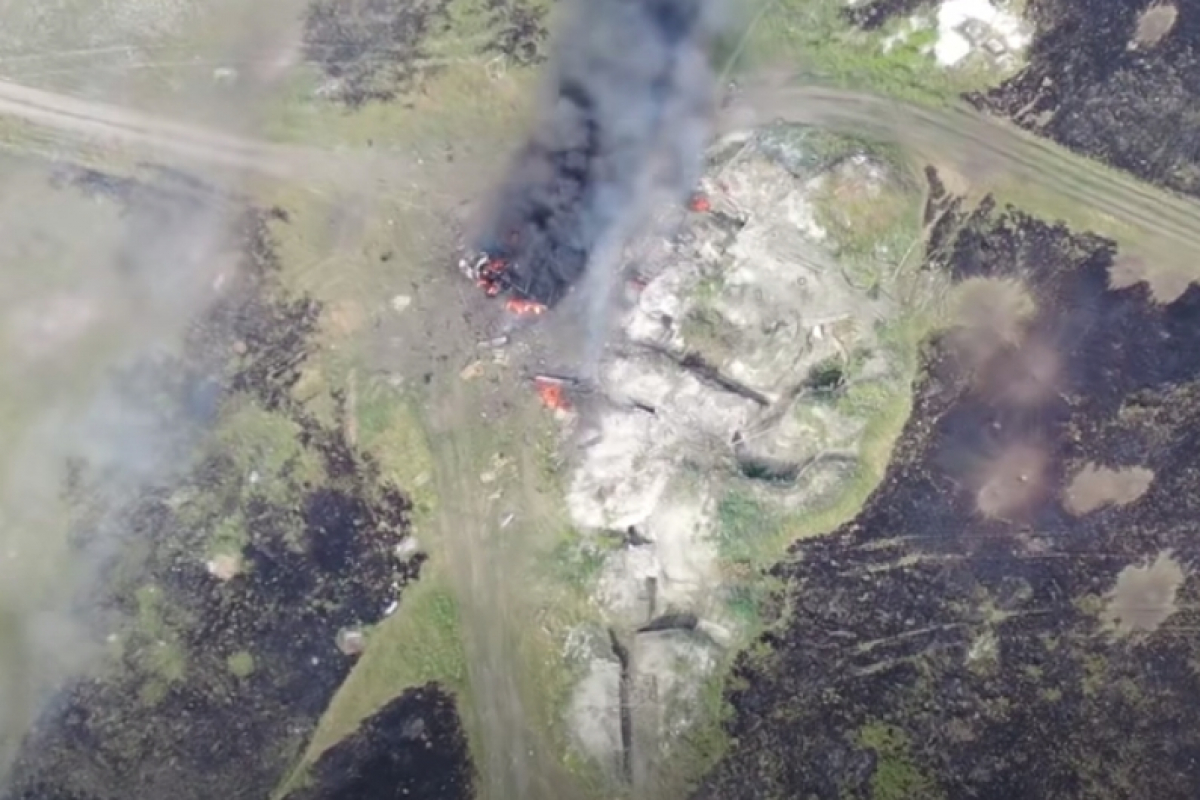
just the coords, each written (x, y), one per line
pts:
(700, 203)
(524, 308)
(553, 396)
(488, 275)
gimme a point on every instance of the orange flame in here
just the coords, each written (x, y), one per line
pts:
(700, 203)
(553, 396)
(524, 308)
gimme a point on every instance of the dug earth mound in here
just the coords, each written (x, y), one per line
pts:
(761, 351)
(1010, 613)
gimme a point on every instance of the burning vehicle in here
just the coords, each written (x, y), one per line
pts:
(622, 126)
(491, 274)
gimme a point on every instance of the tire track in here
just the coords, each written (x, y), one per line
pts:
(1168, 225)
(170, 142)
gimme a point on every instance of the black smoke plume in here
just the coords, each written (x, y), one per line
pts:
(623, 123)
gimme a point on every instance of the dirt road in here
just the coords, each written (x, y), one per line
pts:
(956, 137)
(164, 141)
(1161, 227)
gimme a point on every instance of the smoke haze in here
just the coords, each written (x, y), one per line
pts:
(102, 278)
(622, 126)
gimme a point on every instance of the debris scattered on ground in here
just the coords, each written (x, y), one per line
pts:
(224, 567)
(553, 393)
(471, 371)
(407, 548)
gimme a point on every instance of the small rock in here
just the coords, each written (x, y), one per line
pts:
(225, 566)
(719, 634)
(407, 548)
(401, 302)
(351, 642)
(413, 729)
(239, 347)
(488, 477)
(472, 371)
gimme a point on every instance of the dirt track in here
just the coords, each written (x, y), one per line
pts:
(165, 141)
(956, 137)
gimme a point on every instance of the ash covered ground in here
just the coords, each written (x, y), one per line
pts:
(981, 629)
(1114, 81)
(240, 597)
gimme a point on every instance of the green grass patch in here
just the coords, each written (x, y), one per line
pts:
(895, 777)
(746, 530)
(266, 447)
(577, 562)
(1039, 200)
(420, 642)
(815, 36)
(390, 429)
(707, 331)
(241, 664)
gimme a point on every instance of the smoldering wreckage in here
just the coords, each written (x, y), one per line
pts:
(499, 276)
(623, 127)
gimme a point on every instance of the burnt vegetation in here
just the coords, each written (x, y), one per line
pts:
(519, 32)
(231, 585)
(1115, 81)
(372, 50)
(630, 89)
(414, 747)
(931, 649)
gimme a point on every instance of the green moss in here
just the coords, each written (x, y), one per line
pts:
(228, 536)
(895, 777)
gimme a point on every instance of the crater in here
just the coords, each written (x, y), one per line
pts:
(1012, 482)
(1095, 487)
(1153, 25)
(1144, 596)
(989, 315)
